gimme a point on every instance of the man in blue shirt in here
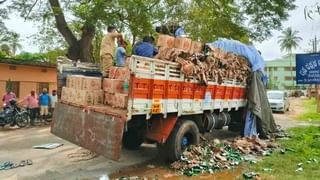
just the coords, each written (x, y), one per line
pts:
(121, 55)
(146, 48)
(44, 101)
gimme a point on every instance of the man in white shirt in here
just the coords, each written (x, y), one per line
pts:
(53, 100)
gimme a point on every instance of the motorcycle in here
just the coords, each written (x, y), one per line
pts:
(14, 115)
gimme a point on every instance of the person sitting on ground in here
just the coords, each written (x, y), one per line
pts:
(108, 49)
(7, 97)
(53, 100)
(146, 48)
(44, 101)
(32, 106)
(121, 54)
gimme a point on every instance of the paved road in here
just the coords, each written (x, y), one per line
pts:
(16, 145)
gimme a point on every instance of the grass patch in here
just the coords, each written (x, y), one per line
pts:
(311, 111)
(306, 145)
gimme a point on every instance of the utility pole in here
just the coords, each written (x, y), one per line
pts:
(317, 86)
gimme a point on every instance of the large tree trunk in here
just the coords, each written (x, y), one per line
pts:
(78, 49)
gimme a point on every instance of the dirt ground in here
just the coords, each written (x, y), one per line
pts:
(16, 145)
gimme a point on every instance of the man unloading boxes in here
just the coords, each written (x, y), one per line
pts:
(108, 48)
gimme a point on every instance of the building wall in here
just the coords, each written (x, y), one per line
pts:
(281, 72)
(28, 76)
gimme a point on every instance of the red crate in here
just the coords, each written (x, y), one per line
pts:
(220, 92)
(211, 89)
(140, 88)
(174, 90)
(187, 90)
(236, 93)
(158, 89)
(199, 91)
(228, 92)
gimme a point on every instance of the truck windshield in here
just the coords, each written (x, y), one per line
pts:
(275, 96)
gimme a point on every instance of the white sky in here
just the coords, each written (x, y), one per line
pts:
(269, 48)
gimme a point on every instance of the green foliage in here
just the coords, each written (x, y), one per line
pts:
(311, 111)
(29, 56)
(204, 20)
(289, 40)
(50, 56)
(305, 143)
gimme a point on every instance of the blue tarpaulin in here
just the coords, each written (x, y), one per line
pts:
(236, 47)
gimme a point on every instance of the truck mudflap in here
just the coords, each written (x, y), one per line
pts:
(97, 132)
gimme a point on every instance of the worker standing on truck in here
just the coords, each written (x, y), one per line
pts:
(108, 49)
(121, 54)
(44, 101)
(174, 30)
(146, 48)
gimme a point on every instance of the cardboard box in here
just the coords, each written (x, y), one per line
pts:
(196, 47)
(113, 85)
(91, 83)
(99, 97)
(121, 100)
(119, 73)
(183, 43)
(109, 98)
(75, 81)
(165, 41)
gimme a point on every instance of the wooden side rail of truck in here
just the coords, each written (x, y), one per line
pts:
(163, 107)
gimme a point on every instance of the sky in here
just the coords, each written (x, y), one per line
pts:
(269, 48)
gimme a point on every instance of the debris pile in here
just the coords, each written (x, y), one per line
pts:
(216, 66)
(208, 157)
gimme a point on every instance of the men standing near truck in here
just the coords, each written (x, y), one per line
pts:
(7, 97)
(108, 49)
(53, 100)
(44, 101)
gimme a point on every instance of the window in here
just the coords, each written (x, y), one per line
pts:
(289, 68)
(42, 85)
(275, 78)
(15, 87)
(275, 68)
(289, 78)
(11, 67)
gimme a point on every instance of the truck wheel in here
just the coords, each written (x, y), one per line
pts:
(132, 139)
(185, 133)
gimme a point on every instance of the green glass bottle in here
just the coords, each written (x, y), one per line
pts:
(126, 86)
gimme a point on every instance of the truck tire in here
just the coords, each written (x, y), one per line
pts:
(184, 133)
(132, 139)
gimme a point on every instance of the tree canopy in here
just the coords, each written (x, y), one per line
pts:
(78, 24)
(289, 40)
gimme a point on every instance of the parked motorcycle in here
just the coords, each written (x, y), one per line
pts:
(13, 115)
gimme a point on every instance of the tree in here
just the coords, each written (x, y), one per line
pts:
(5, 49)
(13, 42)
(78, 21)
(289, 40)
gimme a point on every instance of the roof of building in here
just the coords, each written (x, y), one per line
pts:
(27, 62)
(282, 62)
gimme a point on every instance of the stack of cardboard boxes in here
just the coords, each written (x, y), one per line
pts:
(115, 87)
(82, 91)
(180, 43)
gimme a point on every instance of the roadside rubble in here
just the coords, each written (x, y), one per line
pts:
(212, 156)
(11, 165)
